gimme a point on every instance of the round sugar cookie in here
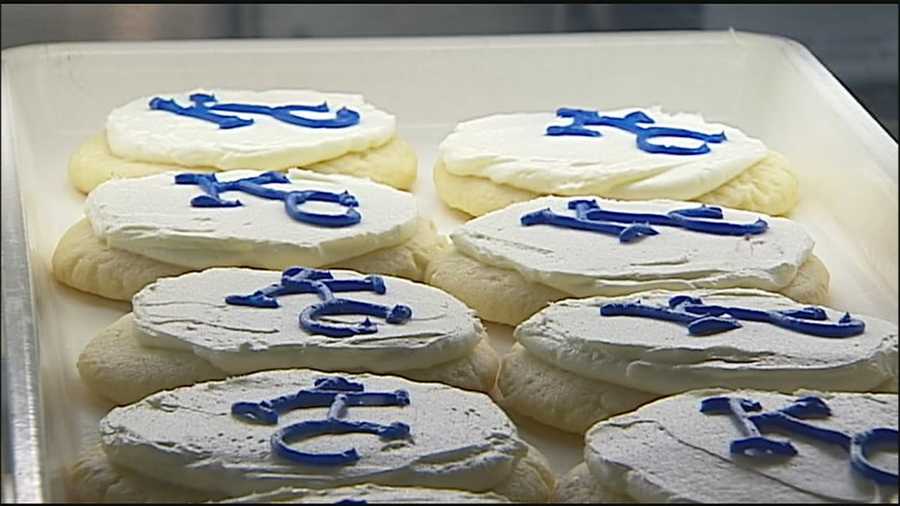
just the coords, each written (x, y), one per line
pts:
(679, 449)
(184, 330)
(197, 312)
(157, 217)
(611, 156)
(553, 247)
(768, 186)
(86, 263)
(630, 154)
(573, 366)
(215, 128)
(762, 341)
(207, 130)
(432, 435)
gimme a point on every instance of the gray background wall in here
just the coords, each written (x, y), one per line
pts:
(857, 42)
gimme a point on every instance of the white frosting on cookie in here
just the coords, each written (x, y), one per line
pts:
(153, 217)
(370, 494)
(189, 312)
(188, 437)
(136, 132)
(668, 451)
(662, 357)
(513, 149)
(585, 263)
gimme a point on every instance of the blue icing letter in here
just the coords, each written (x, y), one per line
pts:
(583, 117)
(590, 217)
(703, 320)
(293, 200)
(204, 105)
(302, 280)
(790, 419)
(337, 394)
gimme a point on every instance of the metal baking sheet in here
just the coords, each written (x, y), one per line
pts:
(55, 96)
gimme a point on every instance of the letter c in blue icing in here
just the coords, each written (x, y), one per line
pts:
(336, 393)
(630, 123)
(282, 439)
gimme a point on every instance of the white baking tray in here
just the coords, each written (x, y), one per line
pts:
(55, 96)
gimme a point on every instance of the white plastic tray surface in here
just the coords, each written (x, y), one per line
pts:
(55, 96)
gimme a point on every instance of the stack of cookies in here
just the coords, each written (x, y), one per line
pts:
(299, 332)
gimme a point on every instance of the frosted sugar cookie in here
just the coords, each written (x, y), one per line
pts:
(210, 130)
(308, 429)
(226, 321)
(510, 263)
(602, 356)
(139, 229)
(745, 446)
(630, 154)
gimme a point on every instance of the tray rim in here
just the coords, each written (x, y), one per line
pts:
(23, 448)
(21, 359)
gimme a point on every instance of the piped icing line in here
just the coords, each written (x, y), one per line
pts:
(702, 319)
(791, 419)
(302, 280)
(244, 338)
(188, 436)
(202, 110)
(684, 454)
(280, 129)
(293, 200)
(338, 394)
(589, 216)
(629, 123)
(578, 264)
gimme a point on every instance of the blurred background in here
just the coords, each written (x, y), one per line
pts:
(858, 42)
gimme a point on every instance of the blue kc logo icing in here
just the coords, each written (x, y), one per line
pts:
(631, 123)
(707, 319)
(293, 200)
(754, 422)
(301, 280)
(337, 394)
(205, 104)
(590, 217)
